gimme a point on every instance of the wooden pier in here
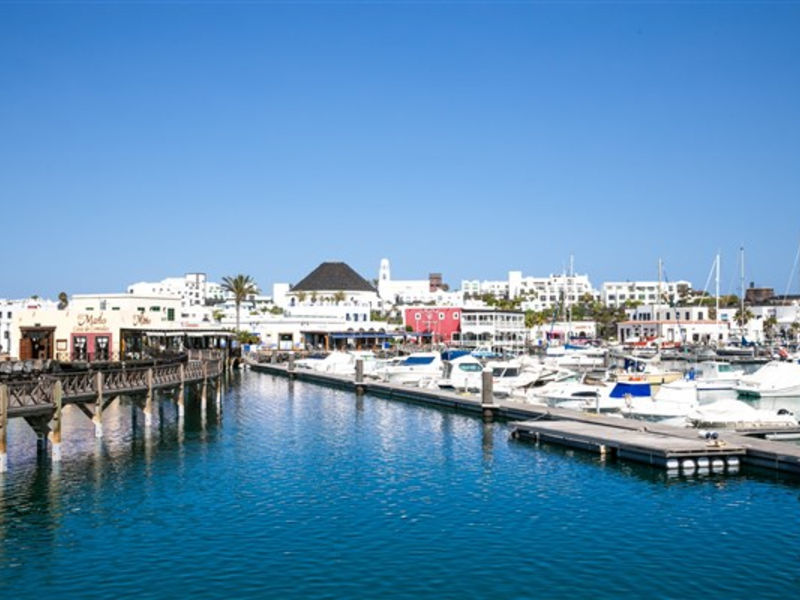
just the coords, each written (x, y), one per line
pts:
(628, 439)
(40, 401)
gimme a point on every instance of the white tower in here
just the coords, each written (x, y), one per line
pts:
(384, 277)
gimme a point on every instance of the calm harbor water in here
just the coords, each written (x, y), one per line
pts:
(298, 491)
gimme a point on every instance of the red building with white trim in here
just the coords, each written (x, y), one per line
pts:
(438, 322)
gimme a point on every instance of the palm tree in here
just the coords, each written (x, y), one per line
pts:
(769, 325)
(241, 287)
(742, 318)
(339, 297)
(63, 300)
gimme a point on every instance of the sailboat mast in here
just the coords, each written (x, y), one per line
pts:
(741, 287)
(716, 303)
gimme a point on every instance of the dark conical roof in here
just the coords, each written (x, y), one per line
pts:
(333, 277)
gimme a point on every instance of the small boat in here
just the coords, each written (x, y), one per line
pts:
(675, 399)
(340, 363)
(414, 369)
(606, 396)
(774, 379)
(738, 414)
(463, 373)
(713, 375)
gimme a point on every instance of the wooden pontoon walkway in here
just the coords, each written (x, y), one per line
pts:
(623, 437)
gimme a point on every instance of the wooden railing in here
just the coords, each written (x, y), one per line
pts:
(36, 396)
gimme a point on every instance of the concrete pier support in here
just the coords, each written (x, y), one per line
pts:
(487, 395)
(148, 402)
(97, 419)
(55, 430)
(204, 390)
(181, 391)
(3, 428)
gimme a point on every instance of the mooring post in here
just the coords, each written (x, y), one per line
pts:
(273, 357)
(148, 402)
(360, 376)
(97, 419)
(291, 362)
(55, 432)
(3, 428)
(181, 389)
(487, 395)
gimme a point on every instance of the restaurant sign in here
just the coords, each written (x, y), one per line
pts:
(87, 322)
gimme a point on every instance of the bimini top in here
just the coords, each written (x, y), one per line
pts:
(333, 277)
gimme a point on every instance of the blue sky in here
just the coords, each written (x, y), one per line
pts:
(141, 140)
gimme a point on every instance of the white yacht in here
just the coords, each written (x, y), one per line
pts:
(735, 413)
(675, 399)
(601, 396)
(774, 379)
(713, 375)
(463, 373)
(415, 369)
(340, 363)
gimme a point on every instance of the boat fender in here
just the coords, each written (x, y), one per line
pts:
(784, 411)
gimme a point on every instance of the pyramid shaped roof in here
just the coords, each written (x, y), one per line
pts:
(333, 277)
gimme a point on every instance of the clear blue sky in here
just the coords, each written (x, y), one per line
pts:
(142, 140)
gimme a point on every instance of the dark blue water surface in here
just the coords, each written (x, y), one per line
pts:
(298, 491)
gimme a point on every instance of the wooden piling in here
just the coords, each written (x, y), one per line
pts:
(487, 393)
(97, 419)
(360, 376)
(148, 402)
(55, 431)
(3, 428)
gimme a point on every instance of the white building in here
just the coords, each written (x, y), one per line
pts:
(502, 330)
(680, 324)
(107, 327)
(414, 291)
(617, 293)
(9, 316)
(193, 289)
(537, 293)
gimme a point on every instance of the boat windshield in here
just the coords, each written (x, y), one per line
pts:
(505, 372)
(418, 360)
(470, 367)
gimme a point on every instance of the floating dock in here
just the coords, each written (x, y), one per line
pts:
(639, 445)
(627, 439)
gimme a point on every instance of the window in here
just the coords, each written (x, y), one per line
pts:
(170, 314)
(102, 305)
(417, 316)
(456, 316)
(155, 309)
(441, 316)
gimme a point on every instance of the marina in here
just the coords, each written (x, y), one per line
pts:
(662, 446)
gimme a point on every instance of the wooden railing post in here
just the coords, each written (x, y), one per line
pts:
(148, 403)
(55, 433)
(3, 428)
(98, 406)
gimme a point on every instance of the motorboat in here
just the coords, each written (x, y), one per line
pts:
(463, 373)
(512, 378)
(675, 399)
(339, 363)
(414, 369)
(636, 370)
(738, 414)
(575, 357)
(773, 379)
(713, 375)
(601, 396)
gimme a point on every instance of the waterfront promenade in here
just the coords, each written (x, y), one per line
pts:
(40, 400)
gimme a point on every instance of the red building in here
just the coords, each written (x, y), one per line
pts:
(438, 322)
